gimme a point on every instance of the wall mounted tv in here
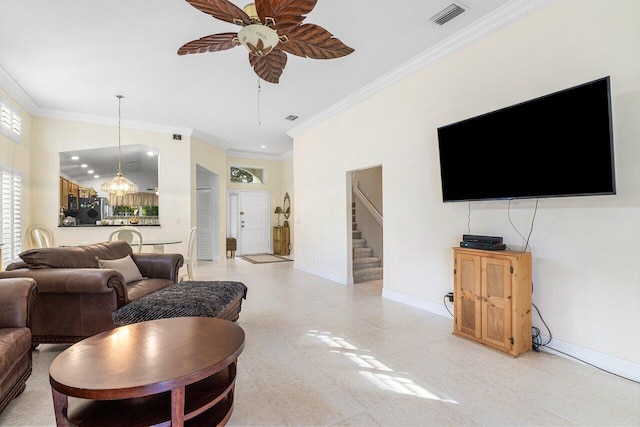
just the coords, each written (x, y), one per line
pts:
(553, 146)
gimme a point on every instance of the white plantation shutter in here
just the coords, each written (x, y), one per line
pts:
(10, 120)
(10, 214)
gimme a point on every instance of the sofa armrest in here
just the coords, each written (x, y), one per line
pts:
(16, 298)
(159, 266)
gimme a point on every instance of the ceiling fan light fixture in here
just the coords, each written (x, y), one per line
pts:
(258, 39)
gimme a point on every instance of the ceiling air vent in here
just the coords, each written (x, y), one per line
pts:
(447, 14)
(291, 117)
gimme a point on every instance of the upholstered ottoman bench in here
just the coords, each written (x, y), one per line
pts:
(192, 298)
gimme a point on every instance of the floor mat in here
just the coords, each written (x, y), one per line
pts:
(264, 258)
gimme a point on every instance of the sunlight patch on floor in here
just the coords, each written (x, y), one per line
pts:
(374, 370)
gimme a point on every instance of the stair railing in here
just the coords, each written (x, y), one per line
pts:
(367, 204)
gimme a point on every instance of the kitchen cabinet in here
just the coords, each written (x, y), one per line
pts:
(64, 193)
(68, 188)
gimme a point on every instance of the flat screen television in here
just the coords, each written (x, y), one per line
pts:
(557, 145)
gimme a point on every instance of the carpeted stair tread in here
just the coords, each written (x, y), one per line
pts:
(362, 252)
(365, 262)
(359, 243)
(367, 274)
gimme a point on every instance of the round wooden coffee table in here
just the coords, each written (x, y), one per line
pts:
(161, 372)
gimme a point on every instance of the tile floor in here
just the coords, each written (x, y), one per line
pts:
(320, 353)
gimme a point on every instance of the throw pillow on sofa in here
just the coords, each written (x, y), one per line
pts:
(124, 266)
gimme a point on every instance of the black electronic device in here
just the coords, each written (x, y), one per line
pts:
(483, 239)
(72, 205)
(557, 145)
(484, 245)
(91, 210)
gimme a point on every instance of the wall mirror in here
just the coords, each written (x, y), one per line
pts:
(82, 172)
(286, 206)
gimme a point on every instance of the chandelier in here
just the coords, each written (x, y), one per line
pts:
(119, 185)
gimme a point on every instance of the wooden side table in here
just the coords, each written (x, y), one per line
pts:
(163, 371)
(281, 240)
(231, 246)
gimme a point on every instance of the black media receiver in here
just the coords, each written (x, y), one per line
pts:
(481, 239)
(484, 245)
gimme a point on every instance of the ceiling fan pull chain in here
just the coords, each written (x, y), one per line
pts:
(259, 90)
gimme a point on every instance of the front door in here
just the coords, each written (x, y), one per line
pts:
(252, 221)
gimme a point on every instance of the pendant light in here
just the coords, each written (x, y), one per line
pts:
(119, 185)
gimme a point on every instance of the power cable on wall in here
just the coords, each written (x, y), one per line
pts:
(536, 336)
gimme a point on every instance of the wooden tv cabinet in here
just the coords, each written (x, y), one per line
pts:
(492, 298)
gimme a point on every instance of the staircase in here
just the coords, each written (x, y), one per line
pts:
(366, 267)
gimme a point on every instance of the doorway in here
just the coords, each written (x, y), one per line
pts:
(249, 221)
(207, 214)
(366, 220)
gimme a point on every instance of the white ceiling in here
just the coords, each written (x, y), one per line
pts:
(69, 58)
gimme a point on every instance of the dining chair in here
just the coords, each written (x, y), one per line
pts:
(127, 234)
(41, 237)
(190, 258)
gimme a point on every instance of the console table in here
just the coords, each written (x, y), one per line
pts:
(161, 372)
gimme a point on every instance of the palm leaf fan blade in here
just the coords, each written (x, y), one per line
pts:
(212, 43)
(269, 67)
(223, 10)
(313, 41)
(277, 8)
(287, 23)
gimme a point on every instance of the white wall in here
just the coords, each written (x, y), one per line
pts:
(586, 257)
(51, 136)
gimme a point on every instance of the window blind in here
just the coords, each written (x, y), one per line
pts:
(10, 120)
(10, 214)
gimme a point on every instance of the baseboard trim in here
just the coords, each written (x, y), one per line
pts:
(324, 274)
(609, 363)
(620, 367)
(419, 303)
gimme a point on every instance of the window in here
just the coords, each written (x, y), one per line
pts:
(247, 175)
(10, 214)
(10, 120)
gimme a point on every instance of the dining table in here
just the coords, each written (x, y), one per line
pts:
(159, 244)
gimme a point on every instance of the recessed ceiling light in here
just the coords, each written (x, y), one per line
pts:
(90, 171)
(75, 158)
(263, 146)
(83, 165)
(96, 176)
(150, 153)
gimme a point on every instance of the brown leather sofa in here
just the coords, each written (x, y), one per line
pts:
(16, 299)
(76, 298)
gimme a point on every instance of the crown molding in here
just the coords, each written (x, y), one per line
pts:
(211, 140)
(483, 27)
(17, 93)
(259, 156)
(98, 120)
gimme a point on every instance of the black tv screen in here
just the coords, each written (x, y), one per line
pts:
(553, 146)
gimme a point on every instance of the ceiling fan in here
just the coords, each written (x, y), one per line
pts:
(269, 29)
